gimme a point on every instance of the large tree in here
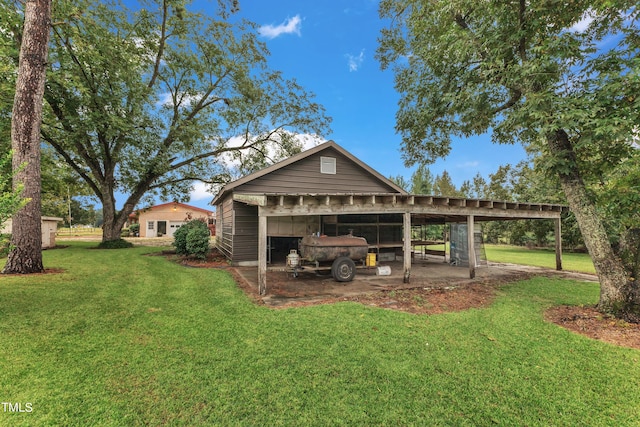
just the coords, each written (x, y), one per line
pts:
(146, 100)
(562, 77)
(26, 252)
(422, 181)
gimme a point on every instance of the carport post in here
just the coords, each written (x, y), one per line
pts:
(471, 240)
(407, 246)
(558, 232)
(262, 252)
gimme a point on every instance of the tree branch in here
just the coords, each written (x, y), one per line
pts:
(516, 95)
(163, 39)
(522, 44)
(72, 163)
(86, 152)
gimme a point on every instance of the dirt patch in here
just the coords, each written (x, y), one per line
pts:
(591, 323)
(214, 259)
(430, 300)
(46, 271)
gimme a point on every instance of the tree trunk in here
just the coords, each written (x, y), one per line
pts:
(113, 221)
(630, 251)
(617, 295)
(26, 255)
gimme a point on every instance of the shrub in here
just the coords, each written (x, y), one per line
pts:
(180, 239)
(5, 244)
(198, 241)
(124, 232)
(192, 239)
(115, 244)
(134, 229)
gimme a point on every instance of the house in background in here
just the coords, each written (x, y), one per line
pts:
(164, 219)
(49, 226)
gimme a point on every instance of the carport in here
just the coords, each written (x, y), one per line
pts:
(420, 208)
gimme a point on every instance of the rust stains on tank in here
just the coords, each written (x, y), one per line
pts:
(325, 248)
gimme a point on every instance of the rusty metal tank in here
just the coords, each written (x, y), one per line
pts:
(325, 248)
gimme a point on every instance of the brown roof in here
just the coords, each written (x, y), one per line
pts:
(195, 208)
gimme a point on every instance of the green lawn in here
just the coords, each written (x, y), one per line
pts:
(126, 339)
(539, 257)
(579, 262)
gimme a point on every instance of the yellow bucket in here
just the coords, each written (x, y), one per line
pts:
(371, 260)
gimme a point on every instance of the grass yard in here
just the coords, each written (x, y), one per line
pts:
(121, 339)
(540, 258)
(579, 262)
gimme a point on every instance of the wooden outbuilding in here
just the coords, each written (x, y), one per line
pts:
(326, 190)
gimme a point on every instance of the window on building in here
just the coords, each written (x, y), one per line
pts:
(150, 225)
(328, 165)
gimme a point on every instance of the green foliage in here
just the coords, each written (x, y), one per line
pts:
(10, 199)
(146, 98)
(422, 181)
(5, 244)
(180, 239)
(526, 72)
(443, 186)
(198, 241)
(115, 244)
(518, 69)
(134, 229)
(192, 239)
(400, 181)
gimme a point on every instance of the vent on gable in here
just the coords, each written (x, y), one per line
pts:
(328, 165)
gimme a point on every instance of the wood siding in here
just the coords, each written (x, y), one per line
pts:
(245, 233)
(224, 224)
(304, 176)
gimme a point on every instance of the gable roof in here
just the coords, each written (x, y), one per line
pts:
(182, 205)
(303, 155)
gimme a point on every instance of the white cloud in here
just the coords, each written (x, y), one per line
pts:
(583, 23)
(233, 160)
(200, 191)
(166, 99)
(289, 26)
(355, 61)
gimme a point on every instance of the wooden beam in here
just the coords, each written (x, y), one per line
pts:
(407, 246)
(262, 253)
(472, 247)
(558, 233)
(251, 199)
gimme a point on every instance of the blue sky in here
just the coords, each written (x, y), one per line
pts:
(329, 47)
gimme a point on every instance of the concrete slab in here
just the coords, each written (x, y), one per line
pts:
(283, 287)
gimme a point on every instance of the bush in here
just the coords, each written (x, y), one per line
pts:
(5, 244)
(180, 239)
(134, 230)
(198, 242)
(192, 239)
(125, 232)
(115, 244)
